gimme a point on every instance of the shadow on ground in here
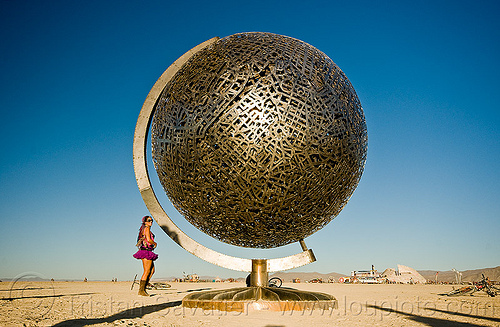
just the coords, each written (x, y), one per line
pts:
(42, 296)
(126, 314)
(438, 322)
(466, 315)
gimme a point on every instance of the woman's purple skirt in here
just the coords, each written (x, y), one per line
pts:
(145, 254)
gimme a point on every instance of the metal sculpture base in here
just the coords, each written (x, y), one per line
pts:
(256, 298)
(259, 297)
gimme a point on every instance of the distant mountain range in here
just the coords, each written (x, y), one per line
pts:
(306, 276)
(443, 276)
(467, 275)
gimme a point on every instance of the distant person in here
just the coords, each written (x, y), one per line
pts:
(146, 245)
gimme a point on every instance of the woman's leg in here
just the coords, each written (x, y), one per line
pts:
(151, 273)
(146, 265)
(152, 269)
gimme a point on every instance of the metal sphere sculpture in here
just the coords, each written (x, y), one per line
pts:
(259, 140)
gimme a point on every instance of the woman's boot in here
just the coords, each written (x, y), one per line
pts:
(142, 288)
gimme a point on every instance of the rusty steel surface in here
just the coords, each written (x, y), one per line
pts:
(259, 140)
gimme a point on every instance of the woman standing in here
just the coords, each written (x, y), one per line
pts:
(146, 245)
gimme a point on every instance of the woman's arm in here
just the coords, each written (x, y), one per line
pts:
(147, 234)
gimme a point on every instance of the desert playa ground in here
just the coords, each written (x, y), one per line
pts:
(114, 304)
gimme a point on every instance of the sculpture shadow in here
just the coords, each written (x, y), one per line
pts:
(25, 289)
(42, 296)
(466, 315)
(129, 314)
(433, 321)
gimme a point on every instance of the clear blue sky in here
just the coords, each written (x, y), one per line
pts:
(74, 75)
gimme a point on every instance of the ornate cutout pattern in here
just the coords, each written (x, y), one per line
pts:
(259, 140)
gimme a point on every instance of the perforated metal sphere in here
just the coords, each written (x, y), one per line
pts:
(259, 140)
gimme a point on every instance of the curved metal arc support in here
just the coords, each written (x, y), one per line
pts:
(154, 206)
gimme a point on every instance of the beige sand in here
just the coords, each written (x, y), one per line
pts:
(114, 304)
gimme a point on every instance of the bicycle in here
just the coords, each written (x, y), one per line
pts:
(461, 291)
(483, 285)
(275, 282)
(152, 286)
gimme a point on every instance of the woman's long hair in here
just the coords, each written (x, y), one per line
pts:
(142, 227)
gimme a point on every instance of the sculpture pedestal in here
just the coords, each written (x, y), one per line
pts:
(256, 298)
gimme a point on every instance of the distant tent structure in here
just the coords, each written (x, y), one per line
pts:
(404, 275)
